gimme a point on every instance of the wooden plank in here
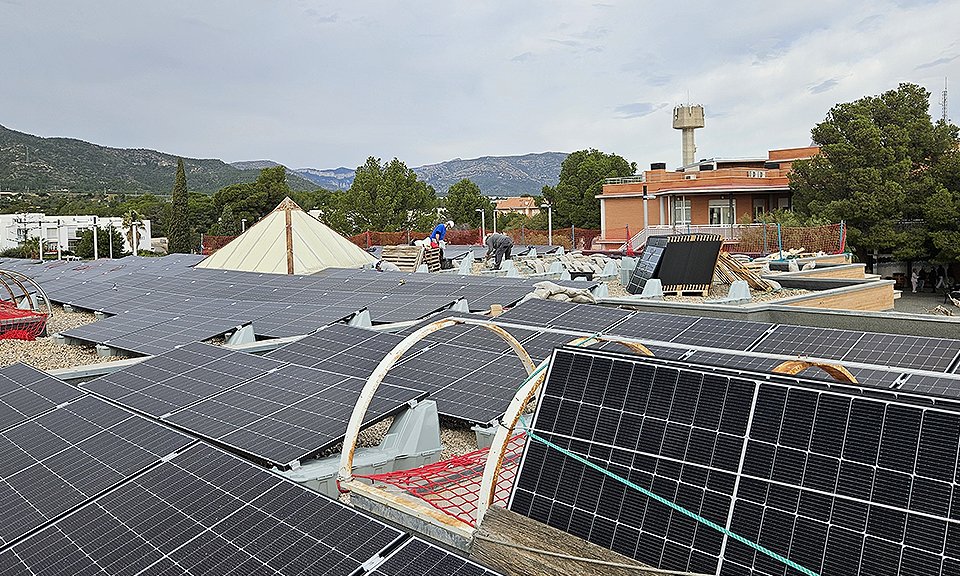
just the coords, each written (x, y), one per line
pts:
(498, 541)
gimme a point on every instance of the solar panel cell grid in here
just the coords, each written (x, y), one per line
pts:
(836, 482)
(62, 458)
(204, 512)
(806, 341)
(166, 383)
(26, 392)
(719, 333)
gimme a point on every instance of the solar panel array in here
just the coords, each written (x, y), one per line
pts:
(163, 303)
(270, 410)
(26, 392)
(470, 383)
(61, 458)
(838, 481)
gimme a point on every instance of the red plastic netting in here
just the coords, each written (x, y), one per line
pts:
(766, 239)
(17, 324)
(213, 243)
(453, 486)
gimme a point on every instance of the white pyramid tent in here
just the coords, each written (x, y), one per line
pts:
(288, 241)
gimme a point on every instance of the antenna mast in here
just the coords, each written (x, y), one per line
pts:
(943, 102)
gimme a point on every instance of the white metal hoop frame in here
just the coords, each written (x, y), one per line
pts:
(345, 473)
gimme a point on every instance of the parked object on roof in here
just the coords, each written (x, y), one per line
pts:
(288, 241)
(551, 291)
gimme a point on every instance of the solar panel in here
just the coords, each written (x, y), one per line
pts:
(180, 377)
(26, 392)
(654, 326)
(917, 352)
(535, 312)
(340, 349)
(168, 335)
(467, 336)
(722, 333)
(417, 558)
(62, 458)
(473, 385)
(288, 414)
(118, 326)
(204, 512)
(937, 354)
(808, 341)
(838, 482)
(947, 386)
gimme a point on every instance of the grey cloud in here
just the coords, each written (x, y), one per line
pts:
(868, 24)
(525, 57)
(937, 62)
(658, 79)
(823, 86)
(638, 109)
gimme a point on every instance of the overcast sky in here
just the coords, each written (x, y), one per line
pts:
(324, 84)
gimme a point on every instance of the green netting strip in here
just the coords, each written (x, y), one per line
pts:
(649, 494)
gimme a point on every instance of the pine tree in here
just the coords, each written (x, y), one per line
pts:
(178, 231)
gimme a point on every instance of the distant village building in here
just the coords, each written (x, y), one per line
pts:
(63, 231)
(715, 191)
(518, 205)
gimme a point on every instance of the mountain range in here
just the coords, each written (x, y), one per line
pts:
(34, 163)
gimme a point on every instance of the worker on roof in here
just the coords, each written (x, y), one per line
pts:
(439, 233)
(438, 236)
(498, 245)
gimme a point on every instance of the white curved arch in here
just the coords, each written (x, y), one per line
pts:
(345, 472)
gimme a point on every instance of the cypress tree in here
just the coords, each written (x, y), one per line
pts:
(178, 230)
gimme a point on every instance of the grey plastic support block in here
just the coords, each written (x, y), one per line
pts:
(485, 434)
(739, 293)
(611, 268)
(68, 308)
(361, 319)
(559, 251)
(242, 335)
(99, 315)
(423, 268)
(600, 290)
(652, 289)
(106, 351)
(466, 265)
(412, 440)
(461, 305)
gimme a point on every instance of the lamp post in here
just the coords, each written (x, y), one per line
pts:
(59, 244)
(96, 253)
(110, 233)
(549, 208)
(494, 220)
(483, 223)
(243, 225)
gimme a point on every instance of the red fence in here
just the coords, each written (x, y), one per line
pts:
(769, 238)
(570, 238)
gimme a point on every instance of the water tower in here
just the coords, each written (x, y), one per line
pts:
(688, 118)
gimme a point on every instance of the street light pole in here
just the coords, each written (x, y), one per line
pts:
(549, 208)
(110, 232)
(59, 244)
(96, 252)
(483, 223)
(494, 220)
(243, 225)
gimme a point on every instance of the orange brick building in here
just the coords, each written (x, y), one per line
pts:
(518, 204)
(716, 191)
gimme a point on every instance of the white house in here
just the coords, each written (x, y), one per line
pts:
(61, 232)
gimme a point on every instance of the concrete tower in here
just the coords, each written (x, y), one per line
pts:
(688, 118)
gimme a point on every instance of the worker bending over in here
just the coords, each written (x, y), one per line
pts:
(498, 245)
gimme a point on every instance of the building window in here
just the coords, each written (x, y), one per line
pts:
(756, 174)
(722, 212)
(759, 208)
(783, 203)
(681, 211)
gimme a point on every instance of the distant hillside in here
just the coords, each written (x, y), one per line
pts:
(496, 175)
(65, 164)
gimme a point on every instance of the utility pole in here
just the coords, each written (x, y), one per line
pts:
(110, 222)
